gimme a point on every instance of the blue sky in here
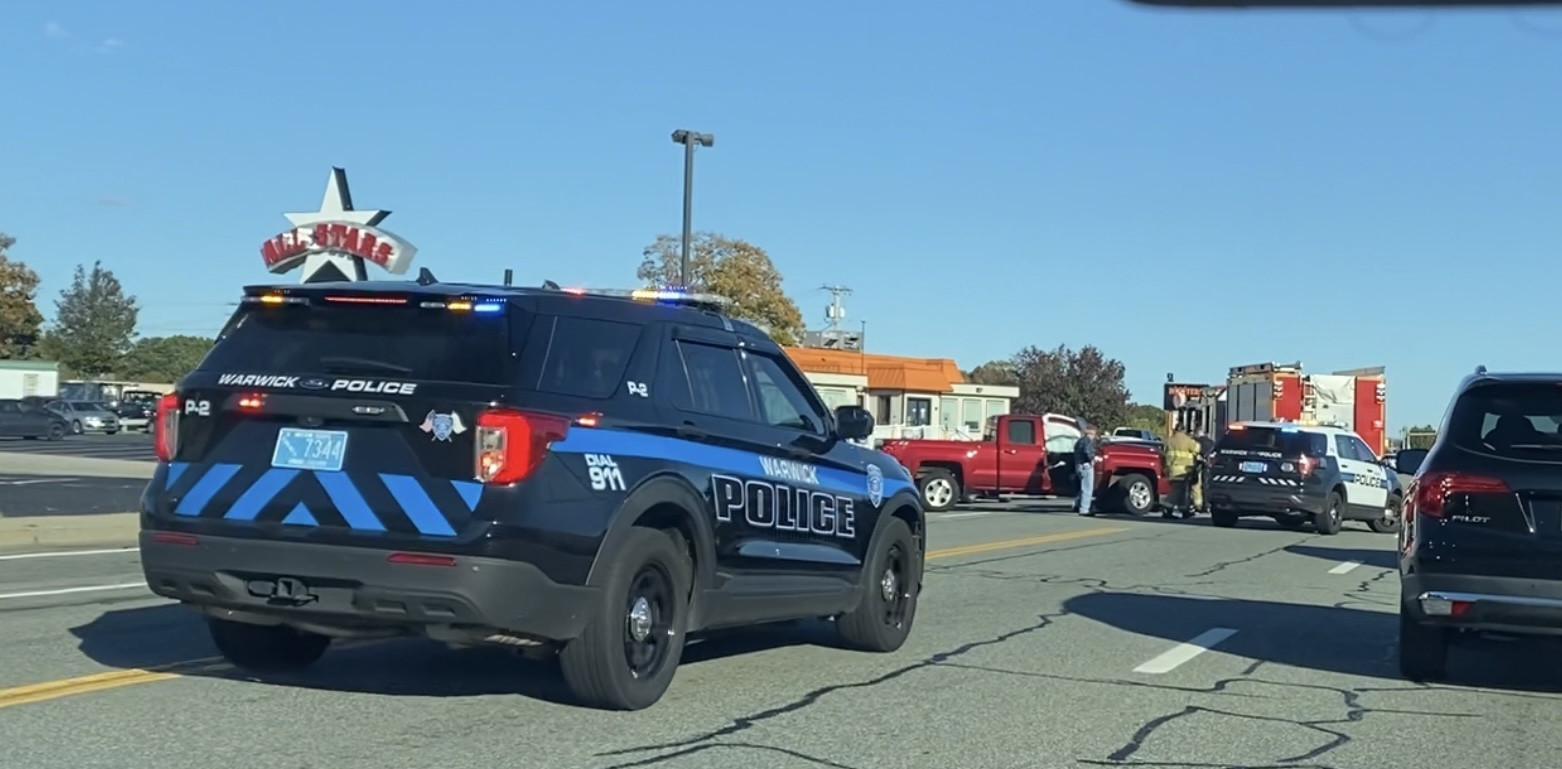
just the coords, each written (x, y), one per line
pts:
(1187, 191)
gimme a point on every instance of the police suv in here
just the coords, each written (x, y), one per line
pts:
(592, 475)
(1300, 474)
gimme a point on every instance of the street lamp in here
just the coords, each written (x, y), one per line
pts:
(689, 140)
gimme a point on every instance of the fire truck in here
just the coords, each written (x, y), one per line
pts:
(1355, 399)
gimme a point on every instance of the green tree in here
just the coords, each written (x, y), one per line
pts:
(994, 372)
(735, 269)
(163, 358)
(19, 316)
(1083, 383)
(1145, 416)
(94, 324)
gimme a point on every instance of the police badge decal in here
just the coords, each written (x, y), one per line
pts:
(875, 485)
(442, 426)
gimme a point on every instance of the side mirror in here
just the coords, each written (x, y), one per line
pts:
(1408, 461)
(853, 423)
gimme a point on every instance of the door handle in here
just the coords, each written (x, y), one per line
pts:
(688, 430)
(1011, 451)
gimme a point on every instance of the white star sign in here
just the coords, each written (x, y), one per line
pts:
(336, 242)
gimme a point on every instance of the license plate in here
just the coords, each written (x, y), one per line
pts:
(310, 449)
(1254, 467)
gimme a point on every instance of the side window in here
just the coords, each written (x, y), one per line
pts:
(716, 385)
(1022, 431)
(1344, 447)
(10, 407)
(585, 356)
(782, 403)
(1363, 451)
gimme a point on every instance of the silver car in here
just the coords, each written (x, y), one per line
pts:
(86, 416)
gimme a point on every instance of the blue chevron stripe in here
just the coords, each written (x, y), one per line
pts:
(408, 492)
(585, 440)
(415, 503)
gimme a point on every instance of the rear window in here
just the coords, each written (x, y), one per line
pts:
(375, 341)
(1516, 421)
(1290, 443)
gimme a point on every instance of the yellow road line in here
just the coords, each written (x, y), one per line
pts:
(99, 682)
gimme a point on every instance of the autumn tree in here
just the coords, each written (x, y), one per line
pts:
(163, 358)
(994, 372)
(1083, 383)
(95, 322)
(19, 316)
(735, 269)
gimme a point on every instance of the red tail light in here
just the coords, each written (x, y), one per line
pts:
(510, 444)
(1306, 465)
(165, 427)
(1434, 489)
(421, 559)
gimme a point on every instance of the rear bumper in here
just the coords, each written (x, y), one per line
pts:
(1253, 499)
(1492, 604)
(357, 590)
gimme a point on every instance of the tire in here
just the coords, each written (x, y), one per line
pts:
(644, 609)
(1224, 518)
(1135, 494)
(266, 648)
(940, 485)
(1423, 650)
(76, 428)
(56, 432)
(110, 432)
(1328, 520)
(891, 584)
(1389, 523)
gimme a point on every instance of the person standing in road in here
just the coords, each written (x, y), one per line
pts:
(1182, 456)
(1201, 468)
(1085, 464)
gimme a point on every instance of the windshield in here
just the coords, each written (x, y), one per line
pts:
(435, 345)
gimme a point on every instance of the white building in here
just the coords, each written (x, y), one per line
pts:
(908, 397)
(28, 378)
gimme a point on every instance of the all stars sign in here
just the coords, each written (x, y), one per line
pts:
(336, 242)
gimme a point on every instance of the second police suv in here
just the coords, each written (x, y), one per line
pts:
(591, 475)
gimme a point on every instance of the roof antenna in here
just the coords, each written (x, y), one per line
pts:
(508, 275)
(426, 278)
(1480, 370)
(550, 285)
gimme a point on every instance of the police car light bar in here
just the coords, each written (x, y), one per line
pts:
(659, 295)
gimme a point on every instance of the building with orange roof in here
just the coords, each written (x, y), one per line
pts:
(908, 397)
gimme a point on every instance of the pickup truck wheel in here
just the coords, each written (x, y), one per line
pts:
(891, 581)
(939, 490)
(626, 658)
(1135, 494)
(266, 648)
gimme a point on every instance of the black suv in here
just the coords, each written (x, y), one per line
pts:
(559, 471)
(1481, 549)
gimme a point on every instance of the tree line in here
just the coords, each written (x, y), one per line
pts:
(93, 334)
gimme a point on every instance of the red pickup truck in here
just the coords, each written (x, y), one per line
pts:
(1013, 458)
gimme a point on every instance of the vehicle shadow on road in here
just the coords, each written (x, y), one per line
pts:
(1375, 559)
(1348, 641)
(174, 639)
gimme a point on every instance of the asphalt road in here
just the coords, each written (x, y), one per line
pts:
(132, 446)
(1033, 647)
(29, 496)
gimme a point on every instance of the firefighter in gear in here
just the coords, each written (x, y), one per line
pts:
(1181, 466)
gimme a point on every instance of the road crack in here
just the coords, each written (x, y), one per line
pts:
(677, 749)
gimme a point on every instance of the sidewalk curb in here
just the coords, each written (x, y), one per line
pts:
(70, 531)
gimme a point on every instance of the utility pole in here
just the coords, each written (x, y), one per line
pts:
(689, 140)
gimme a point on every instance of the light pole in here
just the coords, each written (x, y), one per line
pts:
(689, 140)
